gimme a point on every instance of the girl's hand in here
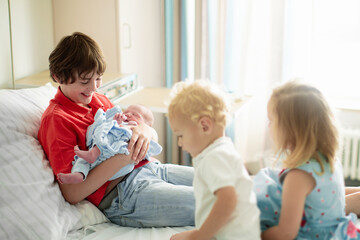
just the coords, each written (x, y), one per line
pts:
(140, 141)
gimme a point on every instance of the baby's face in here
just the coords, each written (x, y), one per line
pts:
(136, 113)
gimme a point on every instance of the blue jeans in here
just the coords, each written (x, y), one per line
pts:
(155, 195)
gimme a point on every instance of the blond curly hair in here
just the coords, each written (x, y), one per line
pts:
(198, 99)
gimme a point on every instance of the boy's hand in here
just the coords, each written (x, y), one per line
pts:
(140, 141)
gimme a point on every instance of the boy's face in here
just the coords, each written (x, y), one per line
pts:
(190, 135)
(82, 90)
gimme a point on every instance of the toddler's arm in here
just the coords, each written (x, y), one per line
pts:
(220, 214)
(225, 204)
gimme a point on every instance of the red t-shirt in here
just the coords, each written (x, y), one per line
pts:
(63, 126)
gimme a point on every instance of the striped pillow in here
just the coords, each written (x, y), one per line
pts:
(31, 204)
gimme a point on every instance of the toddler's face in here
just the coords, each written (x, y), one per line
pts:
(189, 134)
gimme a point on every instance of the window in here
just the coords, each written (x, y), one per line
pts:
(323, 45)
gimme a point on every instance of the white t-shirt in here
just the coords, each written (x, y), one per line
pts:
(217, 166)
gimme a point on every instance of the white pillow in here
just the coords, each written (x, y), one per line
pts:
(90, 215)
(31, 204)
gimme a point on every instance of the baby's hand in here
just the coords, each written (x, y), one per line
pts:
(119, 118)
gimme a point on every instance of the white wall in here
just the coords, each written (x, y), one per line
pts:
(130, 33)
(96, 18)
(143, 40)
(143, 49)
(348, 118)
(33, 40)
(5, 54)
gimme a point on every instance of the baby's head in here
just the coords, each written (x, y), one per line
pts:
(139, 114)
(198, 99)
(300, 120)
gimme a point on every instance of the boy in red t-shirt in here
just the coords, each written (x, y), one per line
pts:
(149, 196)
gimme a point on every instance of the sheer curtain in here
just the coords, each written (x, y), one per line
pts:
(242, 48)
(248, 47)
(238, 45)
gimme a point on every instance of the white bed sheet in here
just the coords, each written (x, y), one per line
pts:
(94, 225)
(110, 231)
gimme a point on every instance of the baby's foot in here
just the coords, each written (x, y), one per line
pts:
(70, 178)
(76, 148)
(90, 156)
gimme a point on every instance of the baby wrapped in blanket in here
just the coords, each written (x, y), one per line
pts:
(107, 136)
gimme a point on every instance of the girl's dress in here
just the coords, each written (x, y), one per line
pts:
(324, 213)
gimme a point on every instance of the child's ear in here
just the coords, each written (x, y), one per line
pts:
(206, 124)
(55, 78)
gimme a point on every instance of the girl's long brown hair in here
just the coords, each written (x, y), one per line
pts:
(306, 124)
